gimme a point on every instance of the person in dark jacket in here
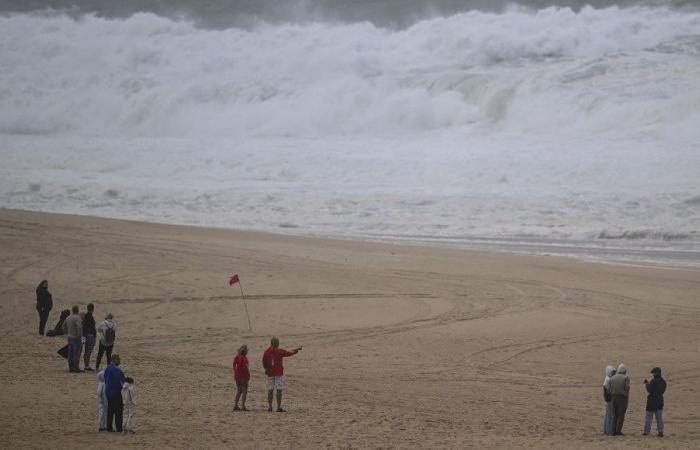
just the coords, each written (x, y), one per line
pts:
(44, 303)
(89, 333)
(655, 402)
(58, 329)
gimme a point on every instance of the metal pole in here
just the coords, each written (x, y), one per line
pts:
(245, 306)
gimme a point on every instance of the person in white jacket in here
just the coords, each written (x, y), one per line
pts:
(129, 400)
(106, 331)
(101, 402)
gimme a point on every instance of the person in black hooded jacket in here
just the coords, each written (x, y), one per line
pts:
(655, 402)
(44, 303)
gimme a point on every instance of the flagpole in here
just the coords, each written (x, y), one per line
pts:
(245, 305)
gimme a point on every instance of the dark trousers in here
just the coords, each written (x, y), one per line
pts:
(115, 409)
(619, 403)
(43, 318)
(103, 349)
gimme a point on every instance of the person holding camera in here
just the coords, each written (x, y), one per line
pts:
(655, 402)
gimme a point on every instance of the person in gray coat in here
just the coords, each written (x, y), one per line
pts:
(620, 391)
(73, 328)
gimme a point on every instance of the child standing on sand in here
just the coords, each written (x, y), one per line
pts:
(101, 402)
(242, 376)
(129, 400)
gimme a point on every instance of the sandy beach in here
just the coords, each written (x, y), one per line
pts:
(404, 346)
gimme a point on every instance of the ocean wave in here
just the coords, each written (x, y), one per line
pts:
(151, 76)
(652, 235)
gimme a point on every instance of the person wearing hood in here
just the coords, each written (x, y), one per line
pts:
(101, 402)
(107, 329)
(620, 391)
(44, 303)
(655, 402)
(608, 419)
(129, 400)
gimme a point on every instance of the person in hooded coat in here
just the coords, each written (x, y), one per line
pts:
(655, 402)
(607, 396)
(129, 400)
(44, 303)
(620, 391)
(101, 402)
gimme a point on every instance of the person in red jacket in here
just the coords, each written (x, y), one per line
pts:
(272, 362)
(242, 376)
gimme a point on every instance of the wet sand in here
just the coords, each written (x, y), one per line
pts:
(404, 346)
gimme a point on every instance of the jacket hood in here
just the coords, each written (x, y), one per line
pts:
(622, 369)
(101, 376)
(609, 372)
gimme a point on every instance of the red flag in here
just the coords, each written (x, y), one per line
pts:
(233, 280)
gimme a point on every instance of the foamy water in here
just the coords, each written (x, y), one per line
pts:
(576, 126)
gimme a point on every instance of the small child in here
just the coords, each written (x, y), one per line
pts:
(101, 402)
(242, 376)
(129, 400)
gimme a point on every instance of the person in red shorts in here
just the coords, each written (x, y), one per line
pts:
(272, 362)
(242, 376)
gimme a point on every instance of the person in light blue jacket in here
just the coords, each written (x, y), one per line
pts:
(608, 425)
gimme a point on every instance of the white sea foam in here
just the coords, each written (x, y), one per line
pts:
(551, 123)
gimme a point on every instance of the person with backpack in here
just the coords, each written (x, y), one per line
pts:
(107, 330)
(272, 362)
(44, 303)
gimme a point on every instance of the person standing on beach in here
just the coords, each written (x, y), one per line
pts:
(101, 402)
(108, 333)
(44, 303)
(608, 419)
(620, 390)
(89, 333)
(242, 376)
(272, 362)
(73, 329)
(655, 402)
(129, 401)
(114, 381)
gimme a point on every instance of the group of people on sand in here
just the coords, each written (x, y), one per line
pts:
(272, 362)
(616, 391)
(116, 396)
(80, 329)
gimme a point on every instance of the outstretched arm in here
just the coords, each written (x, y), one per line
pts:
(286, 353)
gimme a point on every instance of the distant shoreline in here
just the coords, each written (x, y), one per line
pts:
(613, 252)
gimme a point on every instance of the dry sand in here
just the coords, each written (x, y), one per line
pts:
(404, 347)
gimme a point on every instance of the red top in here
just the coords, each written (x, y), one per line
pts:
(272, 360)
(240, 368)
